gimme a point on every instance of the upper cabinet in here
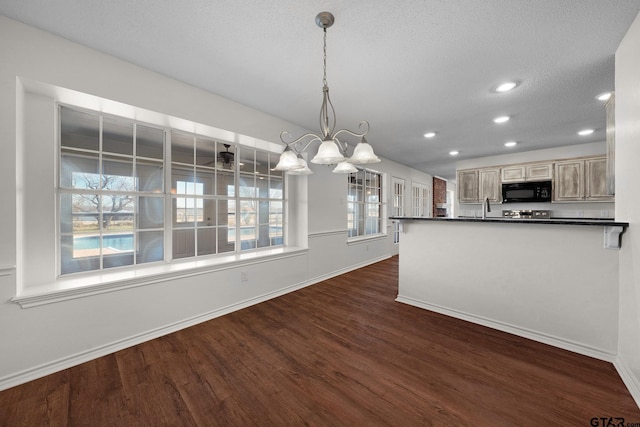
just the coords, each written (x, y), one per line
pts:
(581, 180)
(489, 185)
(527, 172)
(596, 179)
(468, 186)
(475, 185)
(611, 144)
(569, 183)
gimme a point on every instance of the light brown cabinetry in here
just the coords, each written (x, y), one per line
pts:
(596, 179)
(610, 107)
(527, 172)
(489, 185)
(581, 180)
(468, 186)
(569, 183)
(474, 185)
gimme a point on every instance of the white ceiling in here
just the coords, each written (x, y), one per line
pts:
(406, 66)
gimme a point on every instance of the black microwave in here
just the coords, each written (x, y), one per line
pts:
(519, 192)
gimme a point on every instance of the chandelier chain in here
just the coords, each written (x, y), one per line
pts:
(324, 59)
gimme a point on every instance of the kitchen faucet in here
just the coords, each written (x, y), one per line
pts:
(486, 207)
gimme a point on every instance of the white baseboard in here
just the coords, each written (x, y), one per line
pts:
(512, 329)
(629, 378)
(336, 273)
(40, 371)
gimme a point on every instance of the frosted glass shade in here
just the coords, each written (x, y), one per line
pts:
(328, 154)
(363, 153)
(344, 167)
(288, 161)
(302, 171)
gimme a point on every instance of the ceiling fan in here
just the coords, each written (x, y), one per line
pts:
(226, 157)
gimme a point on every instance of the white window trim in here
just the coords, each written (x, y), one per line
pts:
(383, 210)
(80, 286)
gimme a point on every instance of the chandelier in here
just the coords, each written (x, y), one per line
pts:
(332, 151)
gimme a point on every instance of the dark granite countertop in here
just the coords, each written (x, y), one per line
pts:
(558, 221)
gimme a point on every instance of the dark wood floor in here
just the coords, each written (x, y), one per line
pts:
(341, 352)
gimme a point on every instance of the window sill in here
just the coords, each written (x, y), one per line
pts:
(368, 238)
(86, 285)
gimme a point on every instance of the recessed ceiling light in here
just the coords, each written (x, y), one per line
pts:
(454, 153)
(604, 96)
(506, 86)
(510, 144)
(429, 134)
(585, 132)
(501, 119)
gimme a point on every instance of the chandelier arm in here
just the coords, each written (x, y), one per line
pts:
(308, 144)
(363, 123)
(343, 146)
(327, 114)
(286, 135)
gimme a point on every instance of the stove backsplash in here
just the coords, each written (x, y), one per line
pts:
(586, 210)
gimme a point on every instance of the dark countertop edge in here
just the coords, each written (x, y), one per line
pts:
(603, 223)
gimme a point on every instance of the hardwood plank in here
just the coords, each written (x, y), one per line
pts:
(341, 352)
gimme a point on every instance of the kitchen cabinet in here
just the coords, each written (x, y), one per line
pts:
(569, 183)
(468, 186)
(527, 172)
(489, 185)
(474, 185)
(581, 180)
(596, 179)
(611, 144)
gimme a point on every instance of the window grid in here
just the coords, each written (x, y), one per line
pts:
(364, 203)
(202, 181)
(130, 193)
(398, 206)
(420, 199)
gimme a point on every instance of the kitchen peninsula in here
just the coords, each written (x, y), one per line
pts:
(552, 281)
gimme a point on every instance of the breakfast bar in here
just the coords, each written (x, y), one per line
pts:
(550, 280)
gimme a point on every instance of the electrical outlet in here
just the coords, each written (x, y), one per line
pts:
(244, 276)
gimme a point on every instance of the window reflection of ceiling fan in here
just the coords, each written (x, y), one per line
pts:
(226, 156)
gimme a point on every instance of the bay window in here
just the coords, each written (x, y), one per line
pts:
(131, 193)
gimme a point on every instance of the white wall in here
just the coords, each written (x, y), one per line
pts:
(548, 282)
(38, 68)
(628, 204)
(559, 209)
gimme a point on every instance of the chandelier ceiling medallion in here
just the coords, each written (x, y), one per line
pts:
(332, 151)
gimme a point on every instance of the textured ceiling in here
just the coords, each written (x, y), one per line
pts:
(406, 66)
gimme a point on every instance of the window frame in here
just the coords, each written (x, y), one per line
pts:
(364, 206)
(167, 198)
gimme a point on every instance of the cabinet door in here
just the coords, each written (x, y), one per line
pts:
(596, 179)
(489, 180)
(569, 182)
(468, 186)
(515, 173)
(539, 172)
